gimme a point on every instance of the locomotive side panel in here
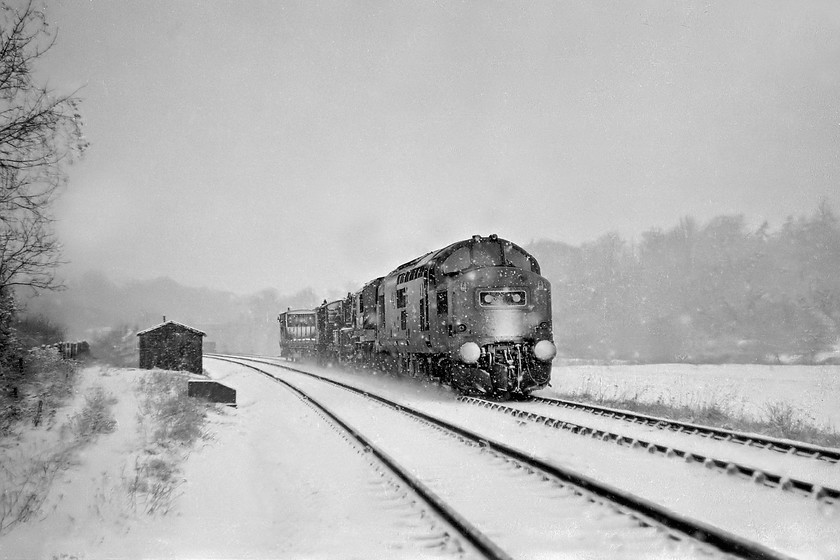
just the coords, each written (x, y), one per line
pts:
(389, 336)
(364, 320)
(330, 321)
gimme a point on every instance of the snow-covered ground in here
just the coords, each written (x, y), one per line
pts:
(812, 391)
(275, 482)
(788, 523)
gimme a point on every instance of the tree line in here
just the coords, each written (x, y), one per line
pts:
(713, 292)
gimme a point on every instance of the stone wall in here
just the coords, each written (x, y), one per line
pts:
(171, 347)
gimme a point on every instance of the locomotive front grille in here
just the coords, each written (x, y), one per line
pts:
(504, 324)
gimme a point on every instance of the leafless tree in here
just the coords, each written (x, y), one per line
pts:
(40, 134)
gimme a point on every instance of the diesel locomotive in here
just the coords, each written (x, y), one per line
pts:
(475, 314)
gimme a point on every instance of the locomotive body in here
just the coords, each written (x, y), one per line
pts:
(331, 339)
(362, 321)
(475, 314)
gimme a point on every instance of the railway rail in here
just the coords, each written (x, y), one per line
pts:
(791, 447)
(820, 492)
(470, 534)
(762, 476)
(645, 514)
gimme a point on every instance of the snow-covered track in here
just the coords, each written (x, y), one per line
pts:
(779, 445)
(474, 537)
(797, 486)
(646, 514)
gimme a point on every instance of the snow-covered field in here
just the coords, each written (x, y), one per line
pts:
(812, 391)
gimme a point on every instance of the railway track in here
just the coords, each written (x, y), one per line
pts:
(790, 447)
(763, 476)
(821, 491)
(642, 523)
(470, 534)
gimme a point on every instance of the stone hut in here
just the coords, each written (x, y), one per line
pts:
(171, 345)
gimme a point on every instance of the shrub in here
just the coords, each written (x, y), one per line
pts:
(177, 421)
(179, 418)
(25, 485)
(96, 417)
(44, 382)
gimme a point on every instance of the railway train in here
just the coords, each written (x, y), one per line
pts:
(475, 314)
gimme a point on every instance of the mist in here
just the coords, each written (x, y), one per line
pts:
(718, 291)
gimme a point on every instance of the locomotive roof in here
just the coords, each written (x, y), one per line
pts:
(446, 251)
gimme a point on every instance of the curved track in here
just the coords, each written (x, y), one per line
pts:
(474, 537)
(645, 514)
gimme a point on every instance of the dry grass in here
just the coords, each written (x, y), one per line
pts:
(26, 481)
(779, 420)
(35, 397)
(96, 416)
(173, 422)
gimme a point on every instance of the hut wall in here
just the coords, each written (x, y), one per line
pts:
(171, 347)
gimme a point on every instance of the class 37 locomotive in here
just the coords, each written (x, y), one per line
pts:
(475, 314)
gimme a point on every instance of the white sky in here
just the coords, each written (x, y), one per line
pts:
(251, 145)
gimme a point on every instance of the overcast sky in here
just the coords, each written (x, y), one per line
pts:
(250, 145)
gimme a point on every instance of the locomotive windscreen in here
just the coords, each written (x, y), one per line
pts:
(517, 258)
(307, 320)
(488, 253)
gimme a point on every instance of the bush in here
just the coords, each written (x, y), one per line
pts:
(43, 382)
(179, 418)
(96, 417)
(177, 421)
(26, 484)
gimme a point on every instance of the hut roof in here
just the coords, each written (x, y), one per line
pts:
(176, 323)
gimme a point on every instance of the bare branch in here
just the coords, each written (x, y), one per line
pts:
(40, 134)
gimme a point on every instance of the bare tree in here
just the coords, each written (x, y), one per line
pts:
(40, 134)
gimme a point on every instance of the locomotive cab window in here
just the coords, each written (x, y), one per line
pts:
(442, 303)
(457, 261)
(400, 298)
(518, 258)
(301, 320)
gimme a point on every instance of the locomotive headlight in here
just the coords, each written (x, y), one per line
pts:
(544, 350)
(469, 352)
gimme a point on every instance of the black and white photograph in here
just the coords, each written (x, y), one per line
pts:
(413, 280)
